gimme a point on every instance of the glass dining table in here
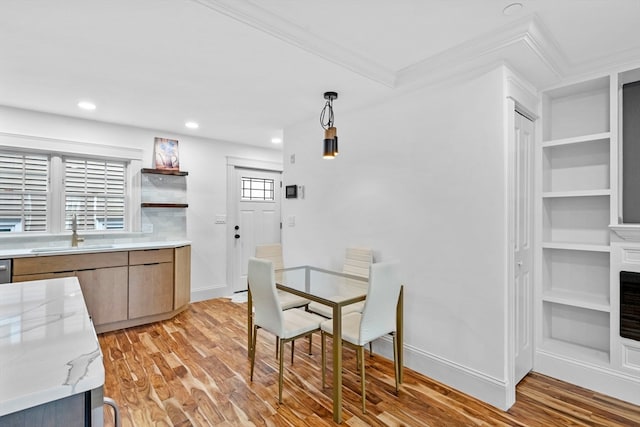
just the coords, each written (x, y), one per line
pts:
(337, 291)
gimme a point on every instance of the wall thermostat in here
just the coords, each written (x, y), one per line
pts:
(291, 191)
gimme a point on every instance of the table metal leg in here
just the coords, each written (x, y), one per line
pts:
(337, 363)
(249, 322)
(399, 332)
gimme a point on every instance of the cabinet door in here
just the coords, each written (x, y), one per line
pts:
(105, 293)
(182, 294)
(150, 289)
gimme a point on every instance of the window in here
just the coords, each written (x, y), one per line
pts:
(257, 189)
(94, 190)
(24, 182)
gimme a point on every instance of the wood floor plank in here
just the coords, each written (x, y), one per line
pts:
(193, 370)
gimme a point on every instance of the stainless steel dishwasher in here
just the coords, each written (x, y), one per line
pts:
(5, 271)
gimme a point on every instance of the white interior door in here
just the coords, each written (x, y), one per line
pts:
(523, 280)
(257, 217)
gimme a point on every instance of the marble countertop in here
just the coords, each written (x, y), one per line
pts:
(44, 250)
(48, 346)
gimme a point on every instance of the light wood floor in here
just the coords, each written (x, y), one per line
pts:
(193, 371)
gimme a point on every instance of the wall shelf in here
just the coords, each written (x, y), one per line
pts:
(575, 193)
(578, 299)
(596, 137)
(164, 172)
(164, 205)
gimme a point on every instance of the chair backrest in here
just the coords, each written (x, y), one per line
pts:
(357, 261)
(379, 312)
(272, 252)
(268, 313)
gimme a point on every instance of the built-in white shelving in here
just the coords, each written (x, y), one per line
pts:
(576, 206)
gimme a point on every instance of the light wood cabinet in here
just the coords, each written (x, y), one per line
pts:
(182, 286)
(105, 293)
(150, 289)
(123, 288)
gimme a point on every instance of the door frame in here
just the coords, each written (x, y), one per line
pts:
(233, 200)
(521, 98)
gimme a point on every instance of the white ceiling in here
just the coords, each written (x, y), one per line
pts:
(245, 69)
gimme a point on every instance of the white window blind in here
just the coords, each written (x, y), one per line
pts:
(95, 192)
(24, 182)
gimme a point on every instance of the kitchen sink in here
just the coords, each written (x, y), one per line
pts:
(69, 248)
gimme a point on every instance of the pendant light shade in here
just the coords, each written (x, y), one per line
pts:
(330, 143)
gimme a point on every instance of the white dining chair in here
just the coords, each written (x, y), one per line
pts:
(273, 253)
(378, 318)
(286, 325)
(356, 263)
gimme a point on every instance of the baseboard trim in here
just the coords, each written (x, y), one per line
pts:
(489, 389)
(209, 292)
(596, 378)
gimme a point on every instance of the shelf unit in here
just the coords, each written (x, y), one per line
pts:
(163, 188)
(575, 203)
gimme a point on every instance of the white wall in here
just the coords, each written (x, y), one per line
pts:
(204, 159)
(421, 179)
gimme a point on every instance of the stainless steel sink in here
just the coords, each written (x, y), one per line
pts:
(70, 248)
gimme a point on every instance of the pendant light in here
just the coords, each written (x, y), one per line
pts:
(330, 143)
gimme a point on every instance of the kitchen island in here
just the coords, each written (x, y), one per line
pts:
(51, 370)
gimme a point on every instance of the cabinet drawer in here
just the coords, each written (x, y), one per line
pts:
(150, 256)
(57, 263)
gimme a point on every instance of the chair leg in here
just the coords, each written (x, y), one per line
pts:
(253, 349)
(281, 369)
(396, 368)
(364, 396)
(277, 346)
(310, 342)
(370, 348)
(293, 344)
(324, 356)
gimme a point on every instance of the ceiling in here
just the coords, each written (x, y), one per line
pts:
(244, 70)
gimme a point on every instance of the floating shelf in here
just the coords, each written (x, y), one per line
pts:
(164, 172)
(164, 205)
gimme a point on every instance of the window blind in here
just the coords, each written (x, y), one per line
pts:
(95, 193)
(24, 180)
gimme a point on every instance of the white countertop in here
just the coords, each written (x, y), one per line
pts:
(48, 346)
(44, 250)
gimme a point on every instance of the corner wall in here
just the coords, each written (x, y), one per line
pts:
(420, 178)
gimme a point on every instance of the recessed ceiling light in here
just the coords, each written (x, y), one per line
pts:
(512, 9)
(276, 140)
(86, 105)
(192, 125)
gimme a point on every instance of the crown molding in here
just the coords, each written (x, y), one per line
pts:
(261, 19)
(525, 45)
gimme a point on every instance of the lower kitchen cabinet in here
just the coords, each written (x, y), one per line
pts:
(150, 289)
(121, 289)
(105, 293)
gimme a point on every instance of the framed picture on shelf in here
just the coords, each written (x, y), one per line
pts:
(165, 154)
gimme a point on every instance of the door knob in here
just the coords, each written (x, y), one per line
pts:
(237, 236)
(237, 227)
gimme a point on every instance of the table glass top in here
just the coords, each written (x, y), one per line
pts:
(323, 283)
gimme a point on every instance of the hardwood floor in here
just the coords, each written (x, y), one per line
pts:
(193, 370)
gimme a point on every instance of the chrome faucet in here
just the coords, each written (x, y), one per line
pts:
(74, 235)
